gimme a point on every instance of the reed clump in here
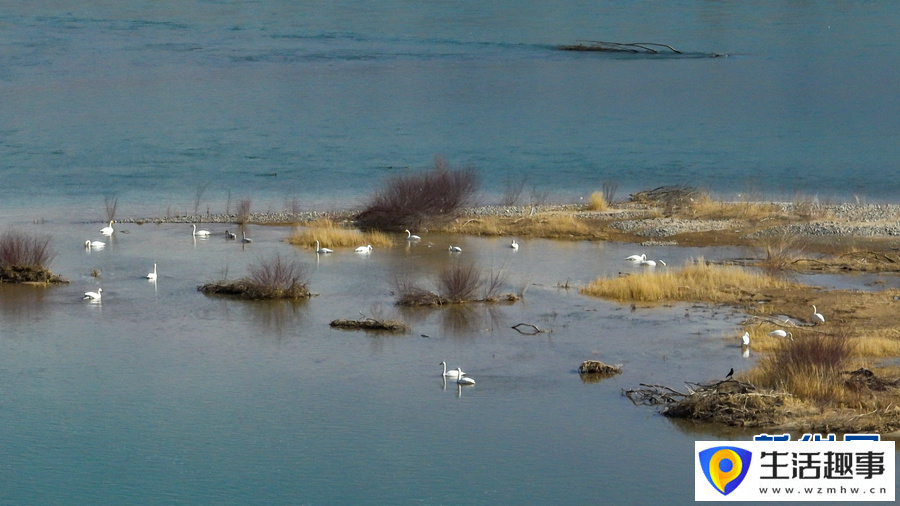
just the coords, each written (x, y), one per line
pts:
(414, 201)
(271, 278)
(24, 258)
(550, 226)
(333, 235)
(809, 368)
(597, 202)
(696, 281)
(703, 206)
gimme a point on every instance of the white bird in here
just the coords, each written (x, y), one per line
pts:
(781, 333)
(108, 230)
(464, 380)
(514, 245)
(94, 244)
(201, 233)
(451, 374)
(322, 250)
(636, 258)
(745, 339)
(230, 235)
(244, 238)
(454, 249)
(93, 296)
(364, 249)
(411, 237)
(651, 263)
(152, 276)
(817, 316)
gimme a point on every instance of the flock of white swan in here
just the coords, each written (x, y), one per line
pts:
(817, 319)
(456, 374)
(643, 260)
(152, 276)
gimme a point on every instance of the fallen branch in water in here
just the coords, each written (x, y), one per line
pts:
(537, 330)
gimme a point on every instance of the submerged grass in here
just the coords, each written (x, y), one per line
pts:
(696, 281)
(333, 235)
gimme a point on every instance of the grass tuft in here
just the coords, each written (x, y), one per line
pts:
(332, 235)
(597, 202)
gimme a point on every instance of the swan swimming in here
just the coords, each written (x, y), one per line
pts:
(245, 239)
(454, 249)
(411, 237)
(107, 230)
(636, 258)
(818, 316)
(651, 263)
(781, 333)
(94, 244)
(322, 250)
(201, 233)
(152, 276)
(451, 374)
(93, 296)
(514, 245)
(364, 249)
(464, 380)
(230, 235)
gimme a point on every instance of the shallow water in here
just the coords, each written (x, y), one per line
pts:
(162, 394)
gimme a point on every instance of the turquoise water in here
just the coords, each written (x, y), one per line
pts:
(161, 395)
(152, 101)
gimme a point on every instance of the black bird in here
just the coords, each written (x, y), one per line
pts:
(730, 374)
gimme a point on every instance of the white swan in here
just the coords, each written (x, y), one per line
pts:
(817, 316)
(322, 250)
(244, 238)
(464, 380)
(651, 263)
(152, 276)
(108, 230)
(636, 258)
(451, 374)
(230, 235)
(94, 244)
(364, 249)
(201, 233)
(514, 245)
(781, 333)
(454, 249)
(411, 237)
(93, 296)
(745, 339)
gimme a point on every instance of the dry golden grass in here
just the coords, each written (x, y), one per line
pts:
(697, 281)
(597, 202)
(552, 226)
(704, 207)
(332, 235)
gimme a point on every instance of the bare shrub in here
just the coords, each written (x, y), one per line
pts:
(198, 195)
(242, 214)
(512, 192)
(459, 283)
(493, 282)
(110, 202)
(20, 249)
(780, 250)
(609, 187)
(272, 278)
(420, 200)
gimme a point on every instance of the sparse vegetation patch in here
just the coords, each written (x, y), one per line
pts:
(273, 278)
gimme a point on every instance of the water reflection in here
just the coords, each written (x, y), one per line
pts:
(22, 302)
(276, 315)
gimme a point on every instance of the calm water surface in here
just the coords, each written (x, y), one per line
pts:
(162, 395)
